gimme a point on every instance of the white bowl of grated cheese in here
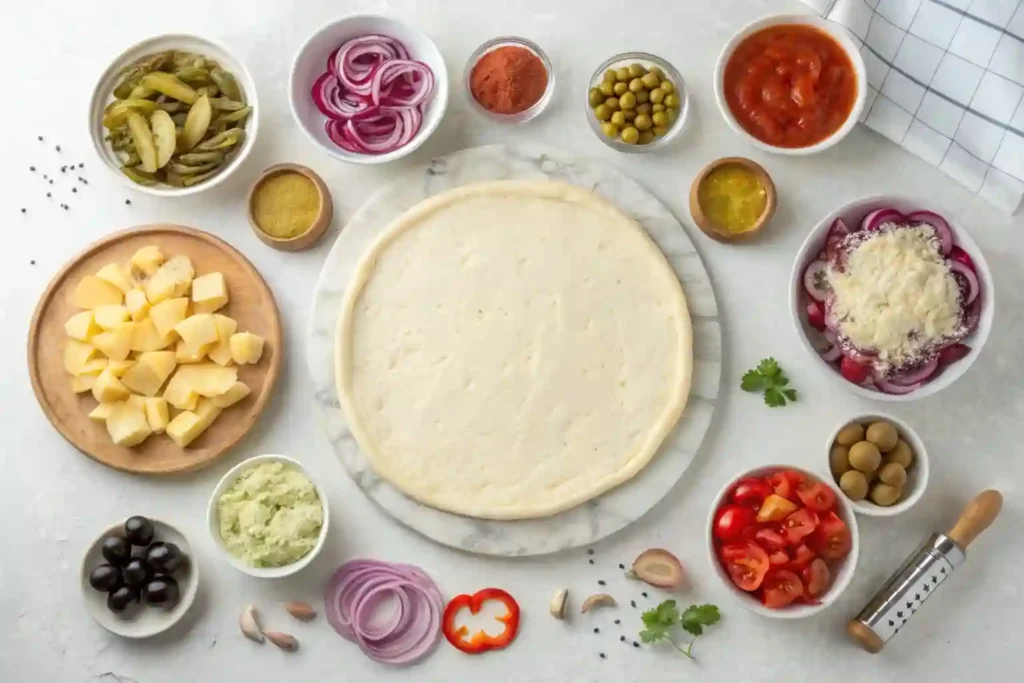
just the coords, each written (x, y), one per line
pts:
(822, 343)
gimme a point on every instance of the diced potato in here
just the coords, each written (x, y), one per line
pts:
(108, 388)
(143, 379)
(110, 316)
(119, 367)
(93, 367)
(236, 393)
(209, 293)
(101, 412)
(82, 326)
(246, 347)
(166, 314)
(92, 292)
(145, 337)
(208, 379)
(116, 344)
(184, 355)
(156, 414)
(148, 259)
(186, 428)
(197, 331)
(162, 362)
(77, 354)
(179, 393)
(137, 304)
(173, 279)
(137, 401)
(127, 425)
(115, 275)
(207, 410)
(221, 351)
(83, 383)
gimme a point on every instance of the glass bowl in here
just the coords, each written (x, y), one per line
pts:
(523, 116)
(647, 60)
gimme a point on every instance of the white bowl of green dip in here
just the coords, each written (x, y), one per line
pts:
(268, 516)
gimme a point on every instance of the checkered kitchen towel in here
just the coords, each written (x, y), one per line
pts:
(947, 83)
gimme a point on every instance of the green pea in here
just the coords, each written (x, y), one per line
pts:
(671, 100)
(622, 73)
(660, 130)
(646, 137)
(636, 70)
(651, 80)
(610, 129)
(609, 76)
(612, 103)
(657, 107)
(636, 85)
(657, 95)
(630, 135)
(627, 100)
(607, 89)
(595, 97)
(618, 118)
(659, 118)
(644, 108)
(667, 87)
(620, 88)
(643, 96)
(642, 121)
(602, 112)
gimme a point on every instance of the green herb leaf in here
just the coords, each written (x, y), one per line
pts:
(752, 381)
(696, 617)
(769, 378)
(659, 621)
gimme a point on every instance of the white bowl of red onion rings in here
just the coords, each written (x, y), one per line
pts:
(368, 89)
(859, 369)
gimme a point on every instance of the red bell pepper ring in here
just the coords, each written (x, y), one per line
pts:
(480, 641)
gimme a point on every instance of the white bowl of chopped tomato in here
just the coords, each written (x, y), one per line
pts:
(791, 84)
(783, 540)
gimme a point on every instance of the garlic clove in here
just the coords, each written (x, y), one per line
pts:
(558, 601)
(303, 611)
(249, 623)
(659, 568)
(285, 641)
(597, 600)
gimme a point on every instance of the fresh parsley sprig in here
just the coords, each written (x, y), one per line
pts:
(769, 378)
(660, 621)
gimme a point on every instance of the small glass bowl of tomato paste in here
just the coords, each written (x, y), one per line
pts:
(791, 84)
(503, 80)
(783, 540)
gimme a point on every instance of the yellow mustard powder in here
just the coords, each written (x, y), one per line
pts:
(286, 205)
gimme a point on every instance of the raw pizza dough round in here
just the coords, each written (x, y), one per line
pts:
(511, 349)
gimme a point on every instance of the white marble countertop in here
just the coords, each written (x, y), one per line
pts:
(55, 500)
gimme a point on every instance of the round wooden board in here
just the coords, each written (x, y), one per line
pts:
(251, 304)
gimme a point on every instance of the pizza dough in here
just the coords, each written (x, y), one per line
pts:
(512, 349)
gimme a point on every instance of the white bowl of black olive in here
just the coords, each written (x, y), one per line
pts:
(139, 577)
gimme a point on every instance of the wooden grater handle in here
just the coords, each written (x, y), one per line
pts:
(976, 517)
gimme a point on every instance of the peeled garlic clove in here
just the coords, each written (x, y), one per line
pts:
(597, 600)
(285, 641)
(659, 568)
(250, 624)
(303, 611)
(558, 601)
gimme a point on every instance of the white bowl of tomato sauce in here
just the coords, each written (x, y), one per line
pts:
(783, 541)
(791, 84)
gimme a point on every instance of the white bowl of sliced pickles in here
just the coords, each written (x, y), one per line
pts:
(174, 115)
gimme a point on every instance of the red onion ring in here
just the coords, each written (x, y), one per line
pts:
(413, 628)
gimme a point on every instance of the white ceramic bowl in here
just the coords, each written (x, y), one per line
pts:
(917, 475)
(842, 572)
(102, 95)
(841, 36)
(311, 62)
(142, 622)
(811, 339)
(213, 523)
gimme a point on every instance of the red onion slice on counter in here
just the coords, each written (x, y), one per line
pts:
(875, 218)
(409, 632)
(939, 224)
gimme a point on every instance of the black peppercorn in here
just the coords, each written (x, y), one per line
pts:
(590, 551)
(57, 148)
(75, 189)
(591, 561)
(32, 168)
(622, 639)
(128, 202)
(32, 262)
(632, 603)
(40, 138)
(619, 621)
(81, 165)
(63, 169)
(24, 210)
(636, 644)
(621, 566)
(597, 630)
(48, 195)
(600, 582)
(601, 654)
(644, 594)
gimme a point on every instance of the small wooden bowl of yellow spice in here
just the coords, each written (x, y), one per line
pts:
(290, 207)
(732, 199)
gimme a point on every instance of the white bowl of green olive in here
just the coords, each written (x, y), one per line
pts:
(879, 464)
(174, 115)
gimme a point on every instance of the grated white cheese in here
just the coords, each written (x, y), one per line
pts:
(896, 295)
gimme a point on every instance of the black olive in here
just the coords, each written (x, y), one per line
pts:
(116, 550)
(161, 590)
(139, 530)
(122, 598)
(105, 577)
(164, 558)
(136, 572)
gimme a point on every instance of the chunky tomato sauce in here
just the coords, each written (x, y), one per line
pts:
(790, 85)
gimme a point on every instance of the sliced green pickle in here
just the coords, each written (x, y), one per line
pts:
(199, 158)
(196, 124)
(165, 136)
(140, 177)
(225, 104)
(228, 138)
(169, 85)
(116, 112)
(142, 138)
(183, 170)
(192, 75)
(227, 84)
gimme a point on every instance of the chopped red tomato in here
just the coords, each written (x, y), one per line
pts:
(816, 577)
(799, 525)
(774, 508)
(746, 563)
(784, 483)
(816, 315)
(958, 254)
(778, 559)
(770, 539)
(832, 540)
(818, 496)
(802, 557)
(751, 491)
(731, 520)
(854, 371)
(780, 588)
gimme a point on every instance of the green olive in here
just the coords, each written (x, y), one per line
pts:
(657, 107)
(630, 114)
(643, 108)
(610, 129)
(850, 434)
(839, 460)
(636, 85)
(643, 95)
(602, 112)
(643, 121)
(609, 76)
(660, 130)
(607, 89)
(667, 87)
(671, 100)
(659, 118)
(630, 135)
(885, 495)
(612, 103)
(622, 74)
(672, 113)
(864, 456)
(595, 97)
(656, 70)
(893, 474)
(901, 454)
(620, 88)
(646, 137)
(636, 70)
(618, 118)
(883, 435)
(651, 80)
(627, 100)
(854, 484)
(657, 95)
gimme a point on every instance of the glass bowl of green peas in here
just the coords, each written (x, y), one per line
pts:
(637, 102)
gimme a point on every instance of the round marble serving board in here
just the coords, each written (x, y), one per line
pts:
(584, 524)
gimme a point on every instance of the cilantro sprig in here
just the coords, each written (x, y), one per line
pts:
(661, 621)
(769, 378)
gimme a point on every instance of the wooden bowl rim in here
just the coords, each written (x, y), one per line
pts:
(707, 225)
(320, 223)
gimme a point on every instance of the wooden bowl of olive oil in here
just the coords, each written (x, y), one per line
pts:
(732, 199)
